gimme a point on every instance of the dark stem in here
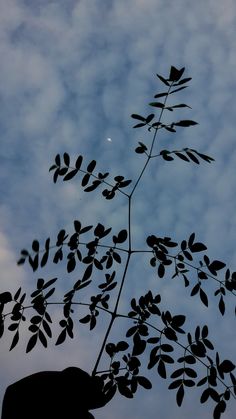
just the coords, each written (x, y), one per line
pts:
(113, 317)
(114, 314)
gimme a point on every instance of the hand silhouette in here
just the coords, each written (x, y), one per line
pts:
(67, 394)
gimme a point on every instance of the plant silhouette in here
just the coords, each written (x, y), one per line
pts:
(155, 337)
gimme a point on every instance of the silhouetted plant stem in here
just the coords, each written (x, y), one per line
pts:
(114, 315)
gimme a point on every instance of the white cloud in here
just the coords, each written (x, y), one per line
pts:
(12, 277)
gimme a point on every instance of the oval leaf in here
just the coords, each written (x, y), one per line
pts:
(144, 382)
(180, 395)
(32, 342)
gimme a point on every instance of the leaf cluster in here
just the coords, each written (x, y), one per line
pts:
(183, 268)
(89, 181)
(77, 250)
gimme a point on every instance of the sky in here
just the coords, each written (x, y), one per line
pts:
(72, 73)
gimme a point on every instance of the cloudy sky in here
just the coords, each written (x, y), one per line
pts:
(72, 73)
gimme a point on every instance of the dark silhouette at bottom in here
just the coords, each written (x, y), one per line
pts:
(67, 394)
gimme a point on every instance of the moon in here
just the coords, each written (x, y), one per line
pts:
(109, 139)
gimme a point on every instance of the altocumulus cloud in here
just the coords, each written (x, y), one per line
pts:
(71, 74)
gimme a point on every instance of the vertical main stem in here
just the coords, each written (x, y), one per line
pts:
(113, 317)
(114, 314)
